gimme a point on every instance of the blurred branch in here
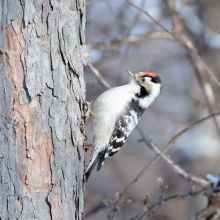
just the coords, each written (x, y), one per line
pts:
(207, 214)
(113, 45)
(98, 75)
(176, 168)
(201, 70)
(188, 45)
(148, 210)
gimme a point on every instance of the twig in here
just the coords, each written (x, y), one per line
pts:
(98, 75)
(113, 45)
(169, 199)
(191, 50)
(177, 169)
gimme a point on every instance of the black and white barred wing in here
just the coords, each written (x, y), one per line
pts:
(123, 128)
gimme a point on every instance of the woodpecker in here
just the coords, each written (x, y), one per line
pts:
(116, 113)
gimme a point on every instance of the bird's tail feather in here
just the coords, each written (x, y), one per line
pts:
(92, 164)
(100, 161)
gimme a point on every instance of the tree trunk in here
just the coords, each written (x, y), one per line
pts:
(42, 91)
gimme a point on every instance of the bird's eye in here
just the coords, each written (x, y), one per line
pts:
(143, 80)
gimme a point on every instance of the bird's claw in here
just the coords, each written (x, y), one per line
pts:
(87, 147)
(87, 110)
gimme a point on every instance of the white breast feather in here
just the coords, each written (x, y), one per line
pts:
(107, 108)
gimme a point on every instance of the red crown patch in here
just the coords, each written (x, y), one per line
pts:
(150, 74)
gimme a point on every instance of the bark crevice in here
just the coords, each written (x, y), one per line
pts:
(41, 143)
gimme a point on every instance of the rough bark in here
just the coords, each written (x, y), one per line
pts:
(42, 90)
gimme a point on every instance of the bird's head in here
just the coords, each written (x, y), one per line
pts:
(146, 79)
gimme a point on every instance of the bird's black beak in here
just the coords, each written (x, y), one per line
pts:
(130, 73)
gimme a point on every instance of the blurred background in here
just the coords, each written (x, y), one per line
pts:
(120, 37)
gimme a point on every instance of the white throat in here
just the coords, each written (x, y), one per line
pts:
(148, 100)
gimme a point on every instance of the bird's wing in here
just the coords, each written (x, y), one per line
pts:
(123, 127)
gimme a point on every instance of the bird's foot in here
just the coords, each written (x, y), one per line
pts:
(87, 147)
(87, 110)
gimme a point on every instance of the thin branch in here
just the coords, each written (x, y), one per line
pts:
(149, 210)
(189, 47)
(98, 75)
(113, 45)
(176, 168)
